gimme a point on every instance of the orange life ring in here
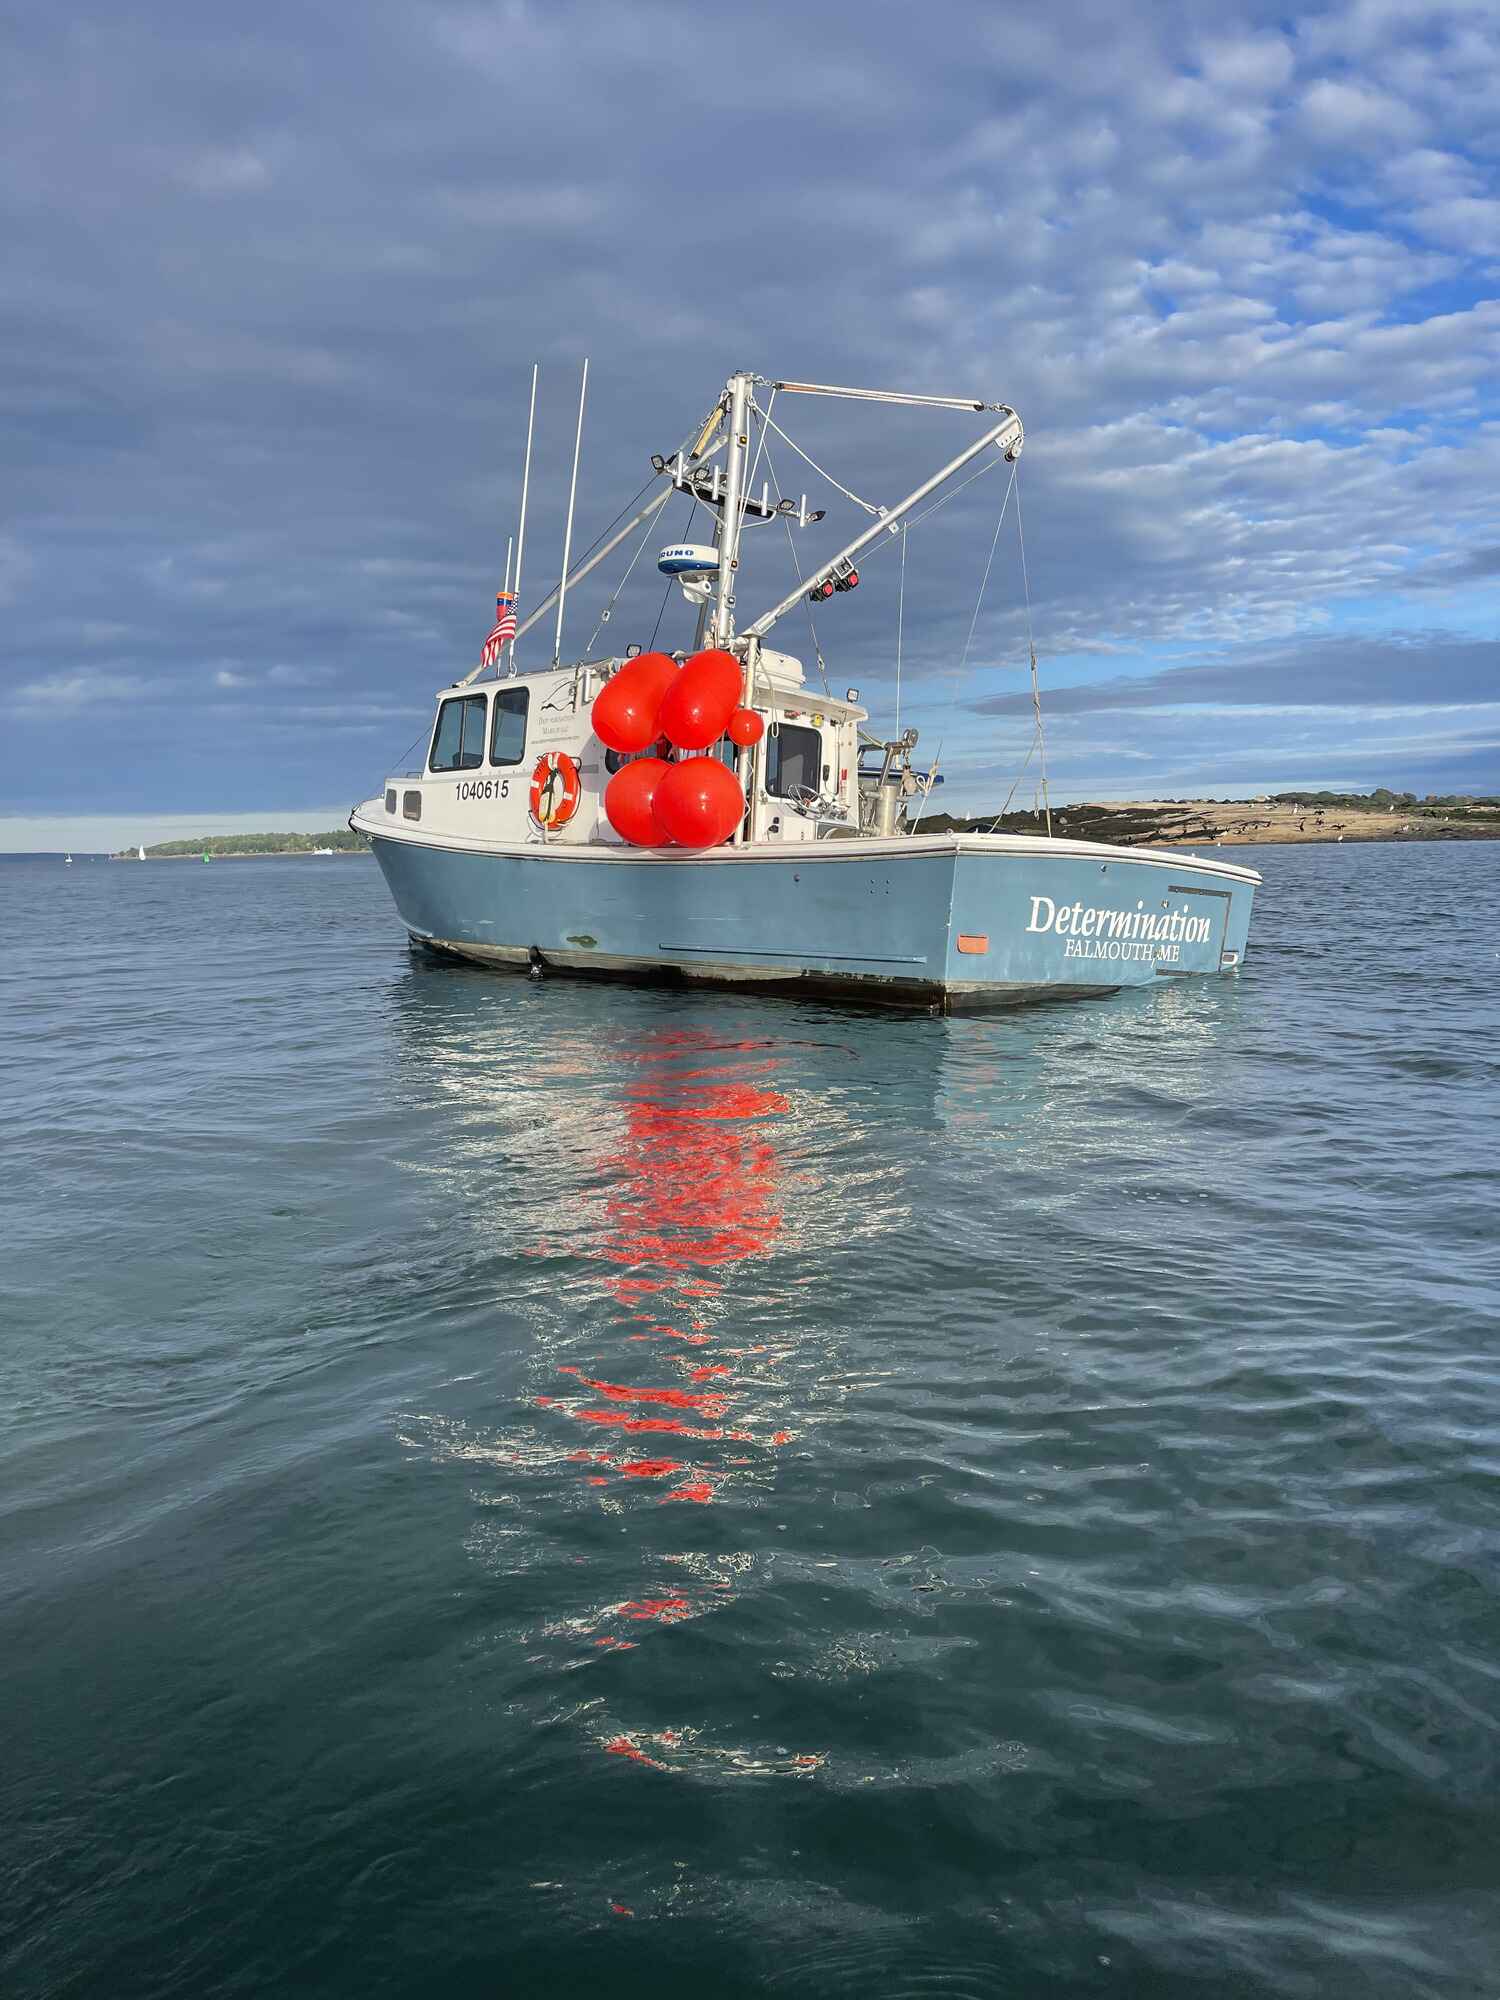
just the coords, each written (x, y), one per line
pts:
(556, 789)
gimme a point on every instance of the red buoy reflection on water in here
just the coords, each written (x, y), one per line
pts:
(692, 1194)
(694, 1190)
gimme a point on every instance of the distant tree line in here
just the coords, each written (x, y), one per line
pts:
(1379, 801)
(343, 841)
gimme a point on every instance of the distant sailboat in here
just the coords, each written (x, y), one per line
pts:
(68, 860)
(140, 854)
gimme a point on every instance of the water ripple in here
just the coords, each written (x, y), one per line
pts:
(514, 1487)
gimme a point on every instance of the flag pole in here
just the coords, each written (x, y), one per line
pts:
(510, 542)
(562, 589)
(525, 490)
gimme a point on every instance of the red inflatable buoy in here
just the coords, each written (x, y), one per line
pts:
(745, 727)
(698, 803)
(700, 701)
(625, 708)
(629, 797)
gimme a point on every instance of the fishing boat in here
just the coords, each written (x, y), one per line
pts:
(704, 815)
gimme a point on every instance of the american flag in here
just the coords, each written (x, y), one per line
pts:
(504, 629)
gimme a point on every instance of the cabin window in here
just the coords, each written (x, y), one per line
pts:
(793, 760)
(390, 801)
(616, 760)
(508, 737)
(411, 805)
(458, 740)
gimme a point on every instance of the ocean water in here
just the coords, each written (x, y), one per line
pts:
(514, 1489)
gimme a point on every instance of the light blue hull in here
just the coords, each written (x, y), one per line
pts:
(948, 921)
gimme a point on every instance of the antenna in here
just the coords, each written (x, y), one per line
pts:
(525, 490)
(562, 588)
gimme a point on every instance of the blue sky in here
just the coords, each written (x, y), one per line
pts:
(272, 285)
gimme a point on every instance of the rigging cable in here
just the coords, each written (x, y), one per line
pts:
(984, 580)
(765, 417)
(1036, 691)
(786, 523)
(604, 615)
(1013, 784)
(988, 466)
(927, 789)
(421, 737)
(662, 607)
(937, 505)
(617, 520)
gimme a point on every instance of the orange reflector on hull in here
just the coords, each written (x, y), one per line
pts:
(972, 942)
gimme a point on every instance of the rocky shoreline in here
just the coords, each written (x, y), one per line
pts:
(1233, 823)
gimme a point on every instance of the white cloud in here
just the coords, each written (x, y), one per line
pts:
(1249, 65)
(16, 566)
(1354, 114)
(283, 674)
(1468, 222)
(66, 693)
(1239, 276)
(516, 207)
(227, 170)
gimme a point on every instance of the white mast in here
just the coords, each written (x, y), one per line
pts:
(729, 521)
(695, 451)
(525, 488)
(562, 588)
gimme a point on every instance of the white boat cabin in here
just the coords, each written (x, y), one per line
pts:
(481, 779)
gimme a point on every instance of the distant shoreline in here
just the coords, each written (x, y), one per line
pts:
(1119, 823)
(273, 845)
(1235, 823)
(256, 854)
